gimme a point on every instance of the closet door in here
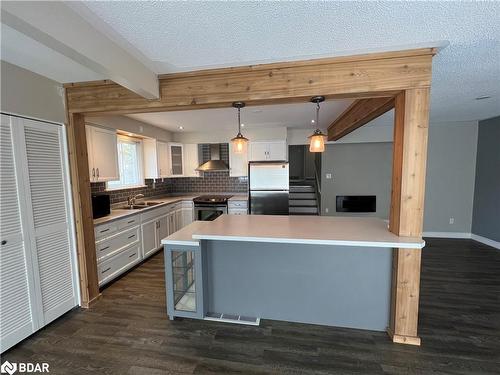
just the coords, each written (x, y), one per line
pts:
(17, 292)
(48, 211)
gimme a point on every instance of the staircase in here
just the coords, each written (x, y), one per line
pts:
(303, 199)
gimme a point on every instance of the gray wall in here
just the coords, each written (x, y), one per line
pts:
(357, 169)
(486, 217)
(366, 169)
(451, 160)
(29, 94)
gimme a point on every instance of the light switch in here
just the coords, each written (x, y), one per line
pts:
(328, 176)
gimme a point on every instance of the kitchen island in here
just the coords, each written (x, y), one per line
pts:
(332, 271)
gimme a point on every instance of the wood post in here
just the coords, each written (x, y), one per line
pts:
(82, 207)
(407, 207)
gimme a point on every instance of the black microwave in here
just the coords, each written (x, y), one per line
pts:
(101, 205)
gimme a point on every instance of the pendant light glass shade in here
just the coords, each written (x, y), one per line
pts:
(317, 139)
(239, 143)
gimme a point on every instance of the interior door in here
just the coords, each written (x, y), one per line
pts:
(47, 198)
(105, 154)
(17, 294)
(149, 237)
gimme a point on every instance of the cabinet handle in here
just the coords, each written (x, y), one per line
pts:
(130, 256)
(132, 236)
(97, 170)
(93, 173)
(106, 270)
(4, 242)
(104, 248)
(104, 230)
(131, 221)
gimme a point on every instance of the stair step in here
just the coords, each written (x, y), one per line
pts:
(306, 210)
(302, 195)
(301, 189)
(302, 202)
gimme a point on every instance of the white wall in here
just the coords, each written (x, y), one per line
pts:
(28, 94)
(265, 134)
(130, 125)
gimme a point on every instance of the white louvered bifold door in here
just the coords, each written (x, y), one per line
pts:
(48, 204)
(17, 291)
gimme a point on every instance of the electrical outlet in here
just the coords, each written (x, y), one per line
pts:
(326, 210)
(452, 220)
(328, 176)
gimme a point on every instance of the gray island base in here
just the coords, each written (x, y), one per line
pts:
(239, 269)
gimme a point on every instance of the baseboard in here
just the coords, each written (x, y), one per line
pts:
(486, 241)
(447, 234)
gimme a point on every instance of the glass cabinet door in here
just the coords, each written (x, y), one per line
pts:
(176, 160)
(183, 280)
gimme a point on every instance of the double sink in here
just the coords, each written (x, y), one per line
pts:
(138, 206)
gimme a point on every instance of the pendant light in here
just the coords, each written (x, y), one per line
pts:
(239, 142)
(317, 139)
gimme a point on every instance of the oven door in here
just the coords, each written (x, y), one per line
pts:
(208, 212)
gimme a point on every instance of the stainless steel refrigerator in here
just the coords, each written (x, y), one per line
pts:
(268, 188)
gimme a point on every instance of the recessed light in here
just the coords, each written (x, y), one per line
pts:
(312, 121)
(483, 97)
(257, 111)
(242, 125)
(181, 127)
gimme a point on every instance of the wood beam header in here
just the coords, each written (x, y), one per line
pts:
(358, 114)
(362, 76)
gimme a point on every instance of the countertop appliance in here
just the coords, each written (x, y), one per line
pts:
(269, 187)
(210, 207)
(101, 205)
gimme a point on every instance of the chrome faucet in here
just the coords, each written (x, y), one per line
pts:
(131, 200)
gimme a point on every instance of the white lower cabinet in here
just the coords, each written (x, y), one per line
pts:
(239, 207)
(117, 240)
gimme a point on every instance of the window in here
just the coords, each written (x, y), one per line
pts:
(129, 164)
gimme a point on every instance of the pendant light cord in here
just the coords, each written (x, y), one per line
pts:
(239, 121)
(317, 115)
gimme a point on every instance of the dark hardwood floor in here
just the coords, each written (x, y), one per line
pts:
(127, 332)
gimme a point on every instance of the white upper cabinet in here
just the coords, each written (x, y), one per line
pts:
(102, 149)
(191, 161)
(267, 150)
(238, 163)
(176, 159)
(156, 159)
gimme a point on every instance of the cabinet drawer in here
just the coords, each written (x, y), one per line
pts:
(105, 230)
(237, 211)
(237, 204)
(118, 264)
(129, 221)
(151, 214)
(109, 246)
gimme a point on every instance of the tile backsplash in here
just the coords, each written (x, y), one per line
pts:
(210, 182)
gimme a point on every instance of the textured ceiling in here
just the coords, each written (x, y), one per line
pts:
(180, 36)
(284, 115)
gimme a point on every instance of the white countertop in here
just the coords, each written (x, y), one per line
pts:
(117, 213)
(318, 230)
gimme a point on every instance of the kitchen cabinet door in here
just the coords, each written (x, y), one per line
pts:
(149, 237)
(104, 151)
(171, 222)
(176, 159)
(162, 229)
(238, 164)
(178, 219)
(187, 216)
(258, 151)
(191, 160)
(276, 150)
(163, 162)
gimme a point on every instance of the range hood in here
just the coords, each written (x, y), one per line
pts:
(215, 163)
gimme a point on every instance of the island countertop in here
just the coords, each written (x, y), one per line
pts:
(319, 230)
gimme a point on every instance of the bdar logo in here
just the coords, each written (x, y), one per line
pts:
(8, 368)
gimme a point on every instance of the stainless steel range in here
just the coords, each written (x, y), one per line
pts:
(210, 207)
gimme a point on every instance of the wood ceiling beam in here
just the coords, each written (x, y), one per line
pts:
(358, 114)
(368, 75)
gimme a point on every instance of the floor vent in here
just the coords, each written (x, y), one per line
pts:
(232, 318)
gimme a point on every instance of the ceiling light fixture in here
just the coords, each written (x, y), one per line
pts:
(317, 139)
(242, 125)
(239, 142)
(181, 127)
